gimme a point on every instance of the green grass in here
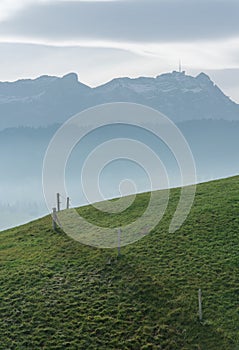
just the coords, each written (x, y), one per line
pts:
(59, 294)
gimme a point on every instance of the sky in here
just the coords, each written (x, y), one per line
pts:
(102, 40)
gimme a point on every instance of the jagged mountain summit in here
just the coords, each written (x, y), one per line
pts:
(48, 99)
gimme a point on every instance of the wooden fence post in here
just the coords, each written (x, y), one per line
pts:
(58, 201)
(67, 203)
(200, 304)
(119, 239)
(54, 218)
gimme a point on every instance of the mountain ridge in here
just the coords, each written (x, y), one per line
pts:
(49, 99)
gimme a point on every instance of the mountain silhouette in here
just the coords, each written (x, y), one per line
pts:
(49, 100)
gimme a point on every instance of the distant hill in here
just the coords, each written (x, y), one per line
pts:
(48, 100)
(32, 110)
(58, 294)
(214, 144)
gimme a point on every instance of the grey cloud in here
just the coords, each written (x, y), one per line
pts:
(27, 60)
(151, 21)
(229, 78)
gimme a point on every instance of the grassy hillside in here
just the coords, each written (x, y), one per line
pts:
(58, 294)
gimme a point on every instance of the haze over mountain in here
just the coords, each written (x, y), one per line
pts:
(48, 100)
(32, 110)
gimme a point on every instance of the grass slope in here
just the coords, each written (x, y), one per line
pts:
(58, 294)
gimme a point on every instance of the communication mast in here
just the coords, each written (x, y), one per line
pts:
(180, 66)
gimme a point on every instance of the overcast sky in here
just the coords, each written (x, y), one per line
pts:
(101, 40)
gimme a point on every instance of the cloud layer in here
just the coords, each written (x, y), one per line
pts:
(101, 40)
(125, 21)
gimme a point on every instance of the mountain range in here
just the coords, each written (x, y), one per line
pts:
(49, 99)
(32, 110)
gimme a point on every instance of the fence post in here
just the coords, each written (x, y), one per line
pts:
(58, 201)
(54, 218)
(200, 304)
(119, 238)
(67, 203)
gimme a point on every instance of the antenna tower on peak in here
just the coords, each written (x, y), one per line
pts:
(180, 66)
